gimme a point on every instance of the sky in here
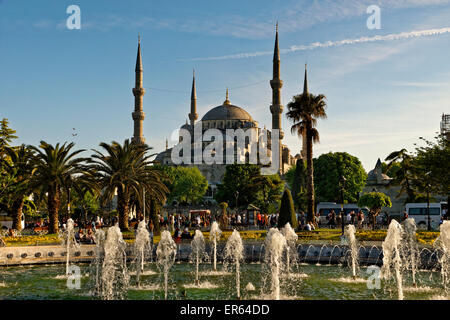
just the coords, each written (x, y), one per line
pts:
(385, 87)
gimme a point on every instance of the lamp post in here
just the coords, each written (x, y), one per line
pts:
(342, 181)
(236, 195)
(428, 185)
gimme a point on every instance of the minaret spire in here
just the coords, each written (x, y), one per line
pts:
(305, 94)
(138, 91)
(226, 102)
(193, 116)
(276, 108)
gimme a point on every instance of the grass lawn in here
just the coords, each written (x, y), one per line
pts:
(327, 235)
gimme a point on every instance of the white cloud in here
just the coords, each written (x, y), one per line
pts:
(328, 44)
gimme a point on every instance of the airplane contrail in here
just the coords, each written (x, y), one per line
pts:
(327, 44)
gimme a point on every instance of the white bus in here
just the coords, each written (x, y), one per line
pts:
(418, 211)
(7, 221)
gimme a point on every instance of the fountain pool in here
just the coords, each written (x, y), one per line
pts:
(323, 282)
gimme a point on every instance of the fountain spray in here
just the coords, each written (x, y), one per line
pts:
(214, 236)
(141, 247)
(444, 242)
(275, 244)
(165, 256)
(410, 248)
(234, 253)
(198, 251)
(291, 248)
(391, 255)
(349, 232)
(114, 278)
(69, 241)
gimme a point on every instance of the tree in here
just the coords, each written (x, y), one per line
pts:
(433, 166)
(237, 185)
(287, 211)
(126, 169)
(56, 167)
(6, 137)
(304, 111)
(296, 178)
(328, 169)
(269, 190)
(223, 221)
(21, 170)
(186, 184)
(375, 201)
(404, 174)
(6, 180)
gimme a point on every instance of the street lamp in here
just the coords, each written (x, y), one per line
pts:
(428, 199)
(342, 181)
(237, 195)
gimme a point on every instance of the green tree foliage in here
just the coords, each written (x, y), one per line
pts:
(432, 164)
(375, 201)
(304, 111)
(287, 211)
(246, 182)
(404, 174)
(186, 184)
(237, 181)
(21, 170)
(6, 137)
(329, 167)
(296, 178)
(269, 189)
(56, 167)
(126, 169)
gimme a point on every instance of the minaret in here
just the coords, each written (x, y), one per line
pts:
(138, 92)
(305, 92)
(276, 108)
(193, 116)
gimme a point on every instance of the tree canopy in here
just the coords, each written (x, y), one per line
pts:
(375, 201)
(287, 211)
(328, 169)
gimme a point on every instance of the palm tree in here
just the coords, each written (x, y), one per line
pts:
(403, 176)
(21, 169)
(56, 169)
(126, 170)
(304, 111)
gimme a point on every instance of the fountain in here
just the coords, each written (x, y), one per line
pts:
(69, 241)
(444, 243)
(349, 232)
(141, 249)
(275, 244)
(410, 248)
(165, 256)
(391, 255)
(214, 236)
(114, 274)
(198, 252)
(234, 254)
(291, 248)
(99, 239)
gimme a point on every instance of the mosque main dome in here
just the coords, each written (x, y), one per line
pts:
(227, 112)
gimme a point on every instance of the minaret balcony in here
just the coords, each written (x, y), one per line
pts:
(276, 83)
(138, 115)
(138, 91)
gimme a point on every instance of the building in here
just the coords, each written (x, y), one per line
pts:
(230, 116)
(445, 125)
(377, 181)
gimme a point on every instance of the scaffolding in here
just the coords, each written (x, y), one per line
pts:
(445, 125)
